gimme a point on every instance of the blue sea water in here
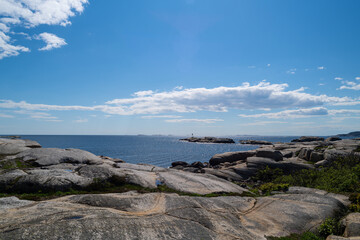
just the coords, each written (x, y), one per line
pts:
(156, 150)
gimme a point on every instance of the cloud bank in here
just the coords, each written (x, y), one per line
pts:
(31, 13)
(220, 99)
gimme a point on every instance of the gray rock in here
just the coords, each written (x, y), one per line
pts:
(166, 216)
(230, 157)
(287, 166)
(316, 157)
(179, 163)
(53, 156)
(12, 202)
(197, 183)
(275, 155)
(305, 153)
(352, 225)
(14, 146)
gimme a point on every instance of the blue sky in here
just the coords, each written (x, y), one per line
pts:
(178, 67)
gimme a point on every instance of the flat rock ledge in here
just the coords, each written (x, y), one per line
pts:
(165, 216)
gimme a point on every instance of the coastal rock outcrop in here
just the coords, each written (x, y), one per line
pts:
(164, 216)
(14, 146)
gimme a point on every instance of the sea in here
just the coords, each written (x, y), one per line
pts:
(156, 150)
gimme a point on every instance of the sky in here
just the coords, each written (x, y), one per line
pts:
(207, 67)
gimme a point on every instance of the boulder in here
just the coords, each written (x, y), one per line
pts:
(230, 157)
(316, 157)
(179, 163)
(53, 156)
(275, 155)
(352, 225)
(197, 165)
(14, 146)
(308, 139)
(288, 166)
(305, 153)
(165, 216)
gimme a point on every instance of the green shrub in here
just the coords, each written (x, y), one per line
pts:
(342, 176)
(330, 226)
(269, 187)
(355, 202)
(268, 174)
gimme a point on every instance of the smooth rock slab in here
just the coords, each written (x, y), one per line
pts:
(166, 216)
(53, 156)
(14, 146)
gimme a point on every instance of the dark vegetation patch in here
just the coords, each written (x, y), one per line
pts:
(342, 176)
(14, 164)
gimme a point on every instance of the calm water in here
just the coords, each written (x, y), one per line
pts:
(156, 150)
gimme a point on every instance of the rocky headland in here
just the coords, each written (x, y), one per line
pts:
(50, 193)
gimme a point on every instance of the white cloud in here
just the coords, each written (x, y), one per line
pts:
(357, 78)
(183, 120)
(350, 85)
(339, 78)
(321, 84)
(291, 71)
(31, 13)
(344, 111)
(51, 40)
(82, 120)
(298, 113)
(160, 116)
(268, 65)
(257, 97)
(39, 115)
(263, 123)
(8, 49)
(5, 116)
(321, 68)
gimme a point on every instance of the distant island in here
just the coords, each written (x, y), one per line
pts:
(350, 134)
(208, 140)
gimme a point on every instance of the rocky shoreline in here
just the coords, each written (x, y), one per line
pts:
(50, 193)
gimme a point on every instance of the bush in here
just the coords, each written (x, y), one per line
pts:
(269, 187)
(268, 174)
(330, 226)
(355, 202)
(343, 175)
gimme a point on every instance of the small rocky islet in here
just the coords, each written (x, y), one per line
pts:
(51, 193)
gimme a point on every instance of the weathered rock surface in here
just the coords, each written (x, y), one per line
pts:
(230, 157)
(208, 140)
(164, 216)
(14, 146)
(273, 154)
(352, 225)
(53, 156)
